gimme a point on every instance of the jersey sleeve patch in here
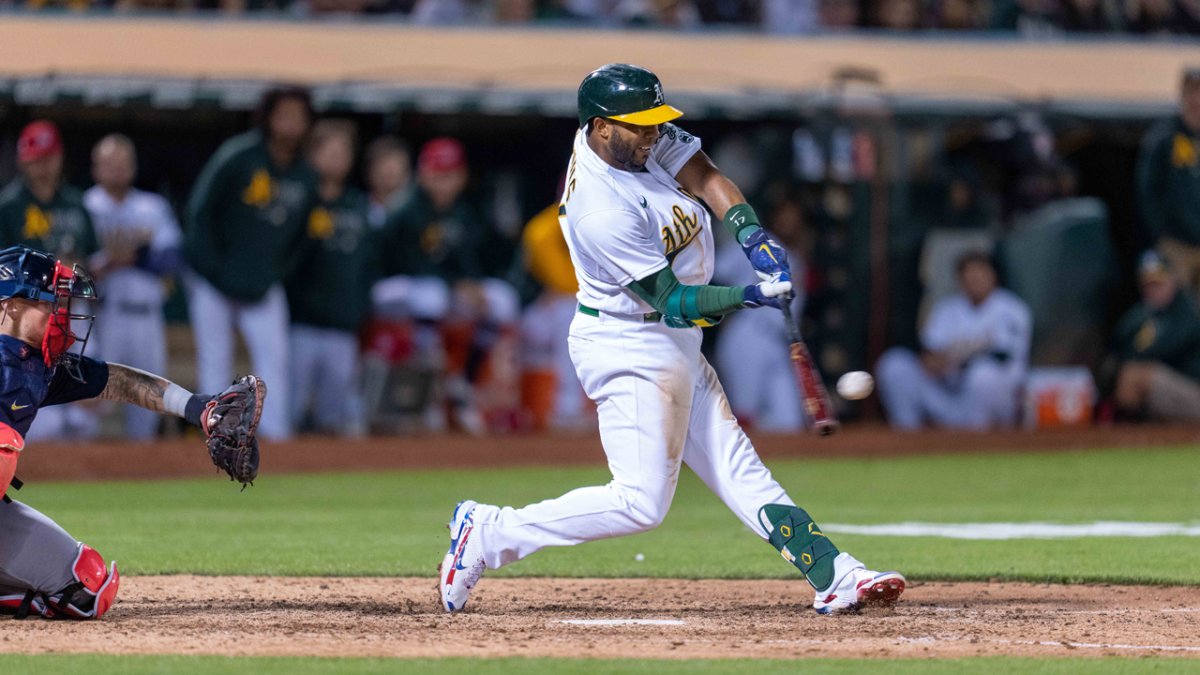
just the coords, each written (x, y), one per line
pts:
(674, 148)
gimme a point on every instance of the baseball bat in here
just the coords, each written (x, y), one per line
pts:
(817, 405)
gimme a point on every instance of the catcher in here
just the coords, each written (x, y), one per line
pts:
(43, 570)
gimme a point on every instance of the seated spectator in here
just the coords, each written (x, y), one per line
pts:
(898, 15)
(975, 354)
(329, 295)
(838, 14)
(435, 279)
(1089, 16)
(1158, 350)
(388, 172)
(961, 15)
(1151, 17)
(796, 16)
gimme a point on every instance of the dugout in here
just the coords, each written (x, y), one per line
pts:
(877, 138)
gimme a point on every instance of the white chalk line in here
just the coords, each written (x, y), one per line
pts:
(1030, 530)
(1123, 610)
(624, 622)
(1100, 645)
(1070, 644)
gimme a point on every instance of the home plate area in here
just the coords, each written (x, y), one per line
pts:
(616, 618)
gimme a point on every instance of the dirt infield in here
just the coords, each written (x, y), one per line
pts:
(188, 457)
(524, 617)
(399, 617)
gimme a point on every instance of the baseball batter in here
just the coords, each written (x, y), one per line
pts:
(636, 216)
(43, 570)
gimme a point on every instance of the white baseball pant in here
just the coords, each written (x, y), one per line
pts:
(659, 404)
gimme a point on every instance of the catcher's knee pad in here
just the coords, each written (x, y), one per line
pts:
(798, 539)
(92, 592)
(11, 444)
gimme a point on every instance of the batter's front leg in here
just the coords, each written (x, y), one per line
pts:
(644, 398)
(722, 456)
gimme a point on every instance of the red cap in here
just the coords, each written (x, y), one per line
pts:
(442, 155)
(38, 139)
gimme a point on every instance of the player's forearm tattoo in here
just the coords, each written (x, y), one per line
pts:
(130, 385)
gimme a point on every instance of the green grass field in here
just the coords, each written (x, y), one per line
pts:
(392, 524)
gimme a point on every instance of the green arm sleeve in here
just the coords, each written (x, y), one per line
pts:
(664, 293)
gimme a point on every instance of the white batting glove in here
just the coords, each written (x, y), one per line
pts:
(768, 294)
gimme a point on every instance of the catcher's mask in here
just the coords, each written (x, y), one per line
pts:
(38, 276)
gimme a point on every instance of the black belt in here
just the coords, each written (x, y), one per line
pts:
(651, 317)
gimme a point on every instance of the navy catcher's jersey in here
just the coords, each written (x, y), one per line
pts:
(26, 384)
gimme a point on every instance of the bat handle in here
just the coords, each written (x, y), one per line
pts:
(785, 306)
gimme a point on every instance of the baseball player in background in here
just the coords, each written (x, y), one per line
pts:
(139, 251)
(636, 216)
(330, 301)
(433, 260)
(245, 225)
(39, 209)
(43, 570)
(974, 358)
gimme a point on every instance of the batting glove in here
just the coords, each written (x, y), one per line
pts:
(767, 257)
(767, 294)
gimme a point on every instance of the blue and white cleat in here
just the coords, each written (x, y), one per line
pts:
(859, 587)
(463, 565)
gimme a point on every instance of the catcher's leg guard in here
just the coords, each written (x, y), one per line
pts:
(93, 591)
(798, 539)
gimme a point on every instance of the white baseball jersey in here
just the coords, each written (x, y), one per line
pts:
(1001, 323)
(621, 226)
(143, 214)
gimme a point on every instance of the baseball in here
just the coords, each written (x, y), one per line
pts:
(855, 385)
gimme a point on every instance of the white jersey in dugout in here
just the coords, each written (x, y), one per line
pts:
(625, 225)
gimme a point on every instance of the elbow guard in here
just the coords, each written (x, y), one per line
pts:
(681, 304)
(682, 309)
(11, 445)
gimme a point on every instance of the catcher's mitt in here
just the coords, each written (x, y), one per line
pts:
(229, 422)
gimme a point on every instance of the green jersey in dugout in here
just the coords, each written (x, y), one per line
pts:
(1168, 182)
(1170, 335)
(423, 241)
(331, 287)
(61, 226)
(246, 218)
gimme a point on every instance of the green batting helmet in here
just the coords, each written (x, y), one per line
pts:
(623, 92)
